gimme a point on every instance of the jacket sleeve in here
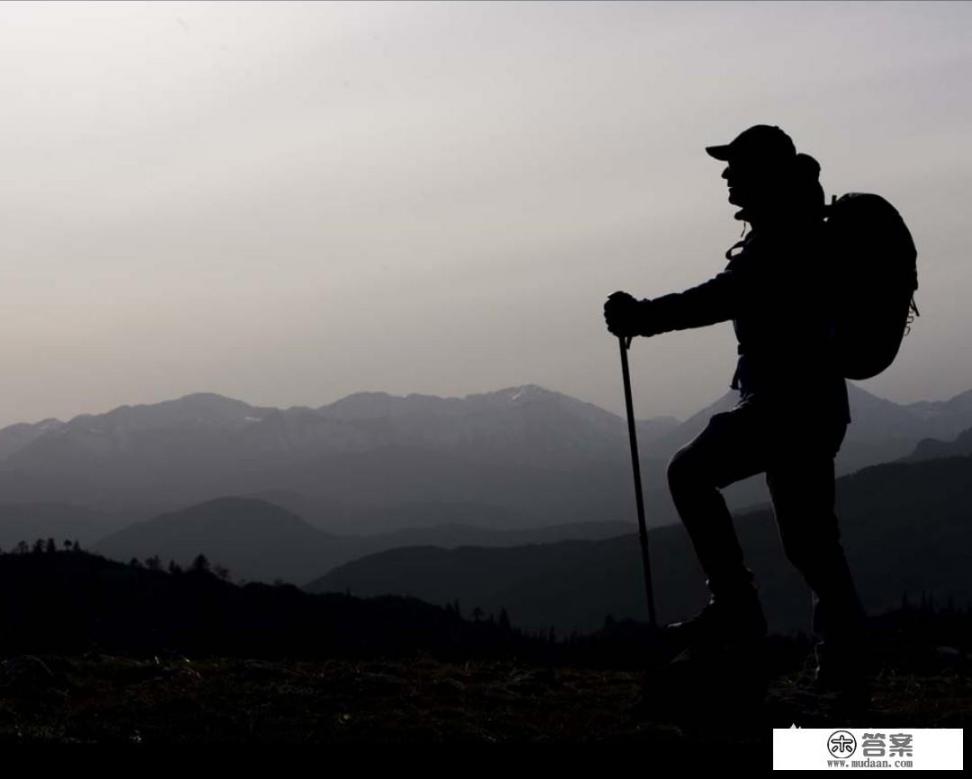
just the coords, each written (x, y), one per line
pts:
(708, 303)
(716, 300)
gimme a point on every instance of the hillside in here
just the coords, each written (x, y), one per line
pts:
(256, 540)
(904, 526)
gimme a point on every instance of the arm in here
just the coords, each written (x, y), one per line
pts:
(713, 301)
(716, 300)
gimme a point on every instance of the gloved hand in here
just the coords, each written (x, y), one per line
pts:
(626, 316)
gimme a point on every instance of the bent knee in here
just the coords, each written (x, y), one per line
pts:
(683, 469)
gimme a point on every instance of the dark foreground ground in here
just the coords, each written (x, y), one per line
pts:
(93, 651)
(97, 698)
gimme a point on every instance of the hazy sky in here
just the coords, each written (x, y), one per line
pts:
(289, 202)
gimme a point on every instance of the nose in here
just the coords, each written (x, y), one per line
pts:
(725, 173)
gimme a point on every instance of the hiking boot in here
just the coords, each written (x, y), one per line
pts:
(841, 670)
(725, 620)
(715, 672)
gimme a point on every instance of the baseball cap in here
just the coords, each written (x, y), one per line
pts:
(759, 143)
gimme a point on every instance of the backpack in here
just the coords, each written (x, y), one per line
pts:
(875, 274)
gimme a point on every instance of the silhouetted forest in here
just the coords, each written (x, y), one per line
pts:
(63, 599)
(67, 600)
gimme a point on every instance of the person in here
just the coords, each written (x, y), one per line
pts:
(792, 412)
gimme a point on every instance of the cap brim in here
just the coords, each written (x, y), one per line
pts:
(719, 152)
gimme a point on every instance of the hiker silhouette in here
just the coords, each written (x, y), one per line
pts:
(792, 412)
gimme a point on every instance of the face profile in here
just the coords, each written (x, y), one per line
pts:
(735, 185)
(745, 181)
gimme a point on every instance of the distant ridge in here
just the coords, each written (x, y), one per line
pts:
(257, 540)
(250, 537)
(532, 455)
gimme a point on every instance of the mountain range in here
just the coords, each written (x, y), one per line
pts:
(373, 463)
(425, 483)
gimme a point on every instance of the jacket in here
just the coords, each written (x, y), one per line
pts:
(776, 290)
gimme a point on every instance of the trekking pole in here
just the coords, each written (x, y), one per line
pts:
(625, 343)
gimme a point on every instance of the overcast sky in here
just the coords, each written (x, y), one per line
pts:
(288, 203)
